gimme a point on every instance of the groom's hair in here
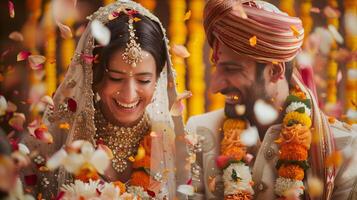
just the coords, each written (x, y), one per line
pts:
(149, 35)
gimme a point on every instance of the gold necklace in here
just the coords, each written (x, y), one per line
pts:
(123, 141)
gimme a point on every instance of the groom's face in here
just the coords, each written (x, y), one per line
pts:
(235, 77)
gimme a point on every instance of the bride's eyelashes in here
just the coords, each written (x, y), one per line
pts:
(144, 82)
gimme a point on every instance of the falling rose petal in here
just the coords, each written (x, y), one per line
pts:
(238, 10)
(335, 159)
(80, 31)
(23, 55)
(31, 127)
(177, 109)
(336, 35)
(16, 36)
(100, 32)
(56, 159)
(3, 105)
(64, 126)
(30, 180)
(314, 187)
(14, 144)
(315, 10)
(43, 135)
(295, 31)
(264, 112)
(107, 150)
(47, 100)
(23, 149)
(180, 51)
(100, 160)
(60, 195)
(66, 32)
(17, 121)
(189, 181)
(151, 193)
(253, 41)
(113, 15)
(11, 9)
(250, 136)
(36, 61)
(72, 105)
(186, 189)
(187, 15)
(240, 109)
(248, 158)
(222, 161)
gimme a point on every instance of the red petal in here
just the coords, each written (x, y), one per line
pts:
(189, 182)
(23, 55)
(14, 144)
(30, 179)
(222, 161)
(72, 105)
(151, 193)
(88, 58)
(60, 195)
(132, 12)
(11, 9)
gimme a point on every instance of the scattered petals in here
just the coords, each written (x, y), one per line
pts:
(100, 32)
(107, 150)
(17, 121)
(240, 109)
(36, 61)
(56, 159)
(11, 9)
(295, 31)
(253, 41)
(3, 105)
(23, 55)
(64, 126)
(315, 187)
(131, 159)
(335, 159)
(264, 112)
(100, 160)
(180, 51)
(250, 136)
(315, 10)
(21, 160)
(23, 149)
(16, 36)
(72, 105)
(187, 15)
(66, 32)
(42, 134)
(336, 35)
(186, 189)
(222, 161)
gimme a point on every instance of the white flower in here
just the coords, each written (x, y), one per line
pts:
(186, 189)
(80, 189)
(110, 192)
(244, 182)
(284, 185)
(295, 105)
(100, 32)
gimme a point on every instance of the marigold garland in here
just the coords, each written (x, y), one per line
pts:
(296, 117)
(295, 134)
(140, 179)
(299, 152)
(291, 171)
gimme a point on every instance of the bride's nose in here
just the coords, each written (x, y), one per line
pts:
(129, 92)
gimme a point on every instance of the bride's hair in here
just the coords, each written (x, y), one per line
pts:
(149, 36)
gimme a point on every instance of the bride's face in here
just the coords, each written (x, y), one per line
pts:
(125, 91)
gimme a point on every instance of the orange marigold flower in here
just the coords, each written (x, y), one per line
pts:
(299, 94)
(144, 162)
(232, 124)
(301, 118)
(294, 172)
(146, 143)
(293, 152)
(87, 172)
(241, 195)
(295, 134)
(140, 179)
(235, 152)
(121, 186)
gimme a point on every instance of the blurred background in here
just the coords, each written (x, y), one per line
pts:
(29, 27)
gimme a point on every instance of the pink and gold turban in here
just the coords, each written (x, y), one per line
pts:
(278, 36)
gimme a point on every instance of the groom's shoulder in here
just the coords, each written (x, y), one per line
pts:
(209, 120)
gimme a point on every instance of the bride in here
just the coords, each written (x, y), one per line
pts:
(119, 99)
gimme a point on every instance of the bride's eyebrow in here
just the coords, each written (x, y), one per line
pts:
(126, 73)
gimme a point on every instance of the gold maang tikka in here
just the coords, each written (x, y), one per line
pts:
(132, 54)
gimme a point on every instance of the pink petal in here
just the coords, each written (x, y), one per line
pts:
(36, 61)
(30, 180)
(16, 36)
(88, 58)
(180, 51)
(11, 9)
(42, 134)
(17, 121)
(189, 182)
(23, 55)
(32, 127)
(72, 105)
(315, 10)
(66, 32)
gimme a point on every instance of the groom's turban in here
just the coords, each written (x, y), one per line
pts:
(235, 23)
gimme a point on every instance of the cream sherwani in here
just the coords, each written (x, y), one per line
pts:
(266, 155)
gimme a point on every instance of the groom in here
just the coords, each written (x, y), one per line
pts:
(254, 46)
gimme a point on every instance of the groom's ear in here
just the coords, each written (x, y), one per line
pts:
(275, 71)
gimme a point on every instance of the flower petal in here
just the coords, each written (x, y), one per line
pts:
(140, 154)
(336, 35)
(36, 61)
(187, 15)
(180, 51)
(43, 135)
(107, 150)
(265, 112)
(16, 36)
(314, 186)
(100, 160)
(17, 121)
(186, 189)
(3, 105)
(47, 100)
(56, 159)
(11, 9)
(250, 136)
(73, 162)
(66, 32)
(253, 41)
(100, 32)
(72, 105)
(11, 107)
(23, 149)
(23, 55)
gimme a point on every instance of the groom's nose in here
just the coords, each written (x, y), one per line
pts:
(218, 82)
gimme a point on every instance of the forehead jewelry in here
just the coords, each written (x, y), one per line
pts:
(132, 54)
